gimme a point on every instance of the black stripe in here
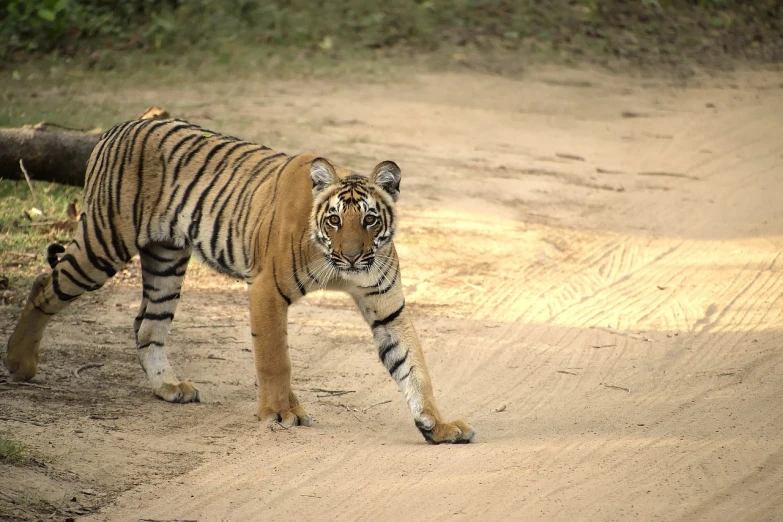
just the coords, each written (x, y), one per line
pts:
(171, 199)
(195, 223)
(229, 183)
(173, 270)
(230, 246)
(89, 288)
(191, 153)
(389, 318)
(383, 277)
(72, 261)
(237, 209)
(62, 296)
(298, 281)
(248, 199)
(259, 220)
(97, 157)
(213, 240)
(221, 260)
(155, 208)
(169, 297)
(101, 239)
(148, 253)
(279, 291)
(118, 245)
(240, 161)
(117, 128)
(302, 257)
(350, 194)
(216, 173)
(119, 177)
(175, 126)
(203, 255)
(386, 349)
(274, 200)
(170, 248)
(269, 227)
(264, 162)
(407, 374)
(150, 287)
(94, 168)
(101, 181)
(101, 185)
(175, 148)
(158, 317)
(245, 204)
(397, 364)
(382, 291)
(196, 178)
(390, 223)
(319, 211)
(138, 203)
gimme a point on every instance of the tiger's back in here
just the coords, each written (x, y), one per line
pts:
(172, 182)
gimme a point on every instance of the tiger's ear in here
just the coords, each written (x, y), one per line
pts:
(322, 173)
(387, 176)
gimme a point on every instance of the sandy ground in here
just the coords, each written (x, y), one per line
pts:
(595, 268)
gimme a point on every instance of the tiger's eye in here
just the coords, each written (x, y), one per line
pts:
(334, 220)
(370, 220)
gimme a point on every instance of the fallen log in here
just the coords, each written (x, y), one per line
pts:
(50, 152)
(48, 155)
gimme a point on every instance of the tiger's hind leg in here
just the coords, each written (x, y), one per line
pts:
(79, 270)
(162, 271)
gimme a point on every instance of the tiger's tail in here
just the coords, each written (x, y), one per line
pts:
(52, 252)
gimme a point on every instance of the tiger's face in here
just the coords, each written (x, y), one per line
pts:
(353, 217)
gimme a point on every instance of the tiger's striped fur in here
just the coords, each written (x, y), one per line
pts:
(168, 189)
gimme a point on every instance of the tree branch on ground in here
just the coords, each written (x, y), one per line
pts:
(51, 152)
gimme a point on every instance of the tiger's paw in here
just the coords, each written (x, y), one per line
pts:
(293, 416)
(455, 432)
(21, 368)
(181, 392)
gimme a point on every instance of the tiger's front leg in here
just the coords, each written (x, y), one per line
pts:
(400, 352)
(268, 326)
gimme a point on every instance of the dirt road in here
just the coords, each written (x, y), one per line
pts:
(595, 266)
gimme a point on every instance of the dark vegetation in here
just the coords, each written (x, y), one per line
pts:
(645, 32)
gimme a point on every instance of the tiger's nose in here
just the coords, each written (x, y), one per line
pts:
(351, 257)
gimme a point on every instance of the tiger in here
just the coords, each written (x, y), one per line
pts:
(168, 189)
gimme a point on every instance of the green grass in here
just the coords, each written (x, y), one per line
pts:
(12, 451)
(107, 37)
(303, 24)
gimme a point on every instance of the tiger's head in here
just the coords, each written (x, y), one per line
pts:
(353, 216)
